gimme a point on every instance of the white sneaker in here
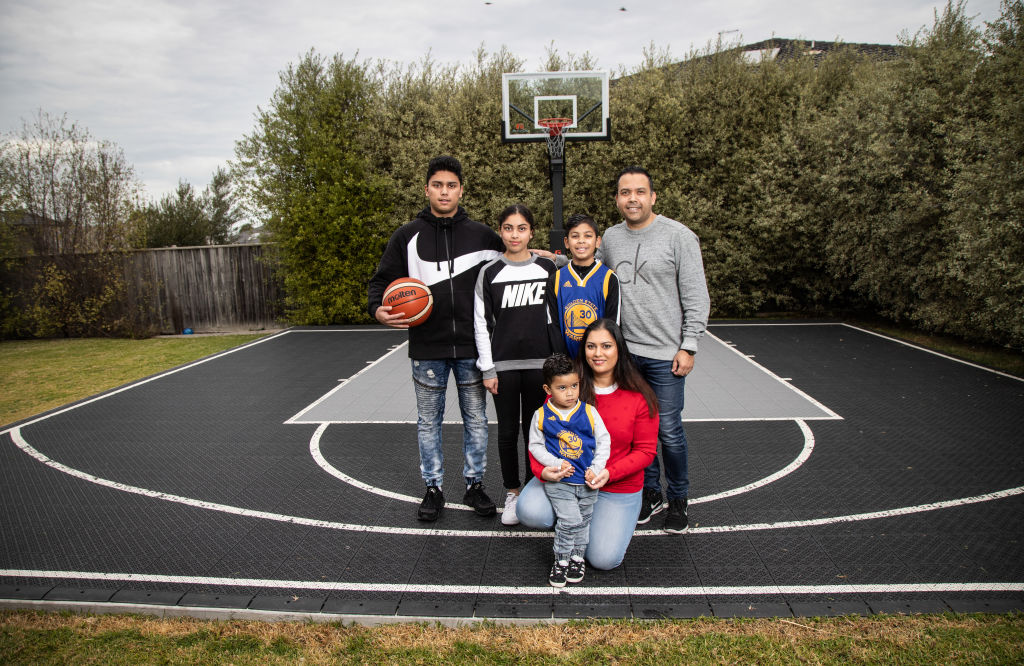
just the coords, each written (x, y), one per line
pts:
(508, 514)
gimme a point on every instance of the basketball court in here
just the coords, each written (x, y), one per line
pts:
(833, 471)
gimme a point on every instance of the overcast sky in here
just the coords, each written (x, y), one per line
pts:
(177, 83)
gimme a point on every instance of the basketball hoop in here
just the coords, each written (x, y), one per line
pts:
(556, 140)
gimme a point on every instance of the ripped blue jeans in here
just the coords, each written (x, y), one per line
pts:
(430, 380)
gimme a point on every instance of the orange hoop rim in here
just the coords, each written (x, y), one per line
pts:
(555, 125)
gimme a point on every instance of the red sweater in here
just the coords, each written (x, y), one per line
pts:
(634, 440)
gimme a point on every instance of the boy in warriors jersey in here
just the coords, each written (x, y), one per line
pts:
(445, 249)
(584, 291)
(569, 439)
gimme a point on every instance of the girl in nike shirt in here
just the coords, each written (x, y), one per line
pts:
(514, 335)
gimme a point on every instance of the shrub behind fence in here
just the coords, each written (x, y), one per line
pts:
(141, 292)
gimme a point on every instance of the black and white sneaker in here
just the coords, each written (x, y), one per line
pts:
(430, 507)
(557, 575)
(675, 520)
(577, 567)
(651, 504)
(478, 500)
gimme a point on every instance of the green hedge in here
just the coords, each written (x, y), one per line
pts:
(887, 187)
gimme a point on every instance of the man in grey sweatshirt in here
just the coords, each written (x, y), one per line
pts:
(663, 312)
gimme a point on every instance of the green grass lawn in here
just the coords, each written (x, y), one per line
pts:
(29, 637)
(37, 375)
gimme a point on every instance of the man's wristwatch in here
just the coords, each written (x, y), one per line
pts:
(690, 352)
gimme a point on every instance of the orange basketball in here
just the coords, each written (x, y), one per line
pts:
(411, 298)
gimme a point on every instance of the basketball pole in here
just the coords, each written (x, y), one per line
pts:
(556, 171)
(555, 104)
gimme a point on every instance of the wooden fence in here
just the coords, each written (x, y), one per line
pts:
(208, 288)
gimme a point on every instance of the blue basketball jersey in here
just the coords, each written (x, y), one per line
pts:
(571, 438)
(580, 301)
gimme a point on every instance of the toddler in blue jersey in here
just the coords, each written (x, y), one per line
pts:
(570, 440)
(584, 291)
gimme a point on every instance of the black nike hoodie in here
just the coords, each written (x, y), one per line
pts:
(446, 253)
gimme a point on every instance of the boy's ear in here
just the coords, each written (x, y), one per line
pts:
(598, 243)
(547, 389)
(565, 240)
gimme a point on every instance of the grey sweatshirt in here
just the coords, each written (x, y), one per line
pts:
(664, 295)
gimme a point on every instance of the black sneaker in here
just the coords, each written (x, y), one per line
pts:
(675, 519)
(577, 568)
(557, 575)
(476, 498)
(433, 502)
(652, 503)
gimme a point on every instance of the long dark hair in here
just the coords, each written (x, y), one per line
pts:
(625, 373)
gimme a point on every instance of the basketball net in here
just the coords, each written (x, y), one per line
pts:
(556, 140)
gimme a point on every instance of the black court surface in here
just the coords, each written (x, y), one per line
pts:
(833, 471)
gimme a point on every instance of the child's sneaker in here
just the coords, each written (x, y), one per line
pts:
(557, 575)
(508, 514)
(577, 567)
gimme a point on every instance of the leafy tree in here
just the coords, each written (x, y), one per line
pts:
(889, 173)
(177, 220)
(70, 200)
(835, 182)
(187, 219)
(987, 206)
(221, 209)
(305, 173)
(76, 193)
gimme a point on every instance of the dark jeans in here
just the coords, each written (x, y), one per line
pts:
(671, 437)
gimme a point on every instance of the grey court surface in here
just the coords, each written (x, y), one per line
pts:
(832, 471)
(726, 385)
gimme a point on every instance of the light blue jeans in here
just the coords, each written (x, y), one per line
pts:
(611, 524)
(573, 505)
(430, 379)
(669, 389)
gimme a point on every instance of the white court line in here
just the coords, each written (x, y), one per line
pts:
(829, 414)
(501, 533)
(805, 453)
(780, 380)
(143, 381)
(364, 329)
(759, 419)
(16, 436)
(754, 324)
(296, 419)
(314, 450)
(934, 353)
(532, 590)
(878, 335)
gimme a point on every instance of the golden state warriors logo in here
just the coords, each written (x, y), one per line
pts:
(577, 316)
(570, 445)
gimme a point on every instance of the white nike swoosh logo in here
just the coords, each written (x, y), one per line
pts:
(428, 272)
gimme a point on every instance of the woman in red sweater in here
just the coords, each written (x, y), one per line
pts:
(627, 405)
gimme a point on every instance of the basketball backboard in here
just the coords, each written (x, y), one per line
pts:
(531, 97)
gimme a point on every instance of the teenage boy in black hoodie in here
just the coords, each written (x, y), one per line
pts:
(445, 249)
